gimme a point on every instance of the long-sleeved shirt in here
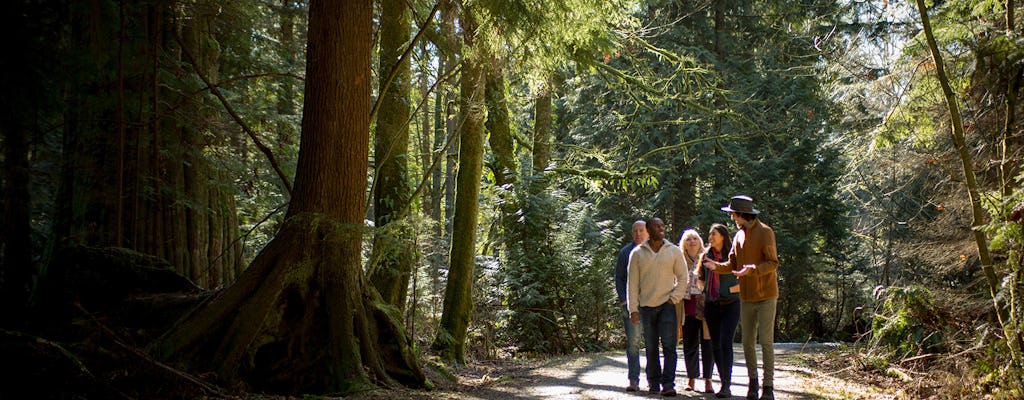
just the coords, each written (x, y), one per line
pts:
(655, 277)
(756, 245)
(621, 265)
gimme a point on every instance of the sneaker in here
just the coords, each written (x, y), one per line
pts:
(633, 387)
(654, 390)
(725, 393)
(767, 393)
(668, 393)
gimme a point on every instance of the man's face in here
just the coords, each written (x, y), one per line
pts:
(740, 222)
(656, 229)
(639, 232)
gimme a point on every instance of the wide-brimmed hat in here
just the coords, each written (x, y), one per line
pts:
(741, 204)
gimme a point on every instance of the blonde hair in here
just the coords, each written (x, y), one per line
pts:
(688, 233)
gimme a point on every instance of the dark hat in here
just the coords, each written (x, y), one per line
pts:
(741, 204)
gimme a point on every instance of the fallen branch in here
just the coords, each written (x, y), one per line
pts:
(209, 388)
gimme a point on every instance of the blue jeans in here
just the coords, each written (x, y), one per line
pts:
(659, 325)
(632, 346)
(722, 322)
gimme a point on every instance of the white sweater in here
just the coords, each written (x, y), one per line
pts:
(655, 277)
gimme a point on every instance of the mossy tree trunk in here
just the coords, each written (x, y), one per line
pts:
(499, 124)
(302, 318)
(542, 129)
(393, 251)
(450, 340)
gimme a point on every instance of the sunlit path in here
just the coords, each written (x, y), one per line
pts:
(603, 376)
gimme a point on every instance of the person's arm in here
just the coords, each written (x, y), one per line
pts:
(633, 283)
(771, 255)
(682, 278)
(725, 267)
(621, 263)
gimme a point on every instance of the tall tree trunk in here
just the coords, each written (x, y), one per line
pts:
(443, 124)
(302, 319)
(977, 213)
(425, 132)
(499, 124)
(458, 297)
(1009, 164)
(393, 252)
(684, 205)
(165, 193)
(542, 129)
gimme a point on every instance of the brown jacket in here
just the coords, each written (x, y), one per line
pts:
(756, 245)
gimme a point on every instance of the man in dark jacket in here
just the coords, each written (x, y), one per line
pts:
(632, 330)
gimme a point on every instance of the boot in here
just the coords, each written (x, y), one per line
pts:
(767, 393)
(724, 392)
(752, 389)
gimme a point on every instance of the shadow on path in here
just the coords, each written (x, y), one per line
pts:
(603, 376)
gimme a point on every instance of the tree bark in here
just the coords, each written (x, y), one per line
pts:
(392, 258)
(542, 129)
(167, 200)
(450, 340)
(977, 213)
(499, 124)
(302, 319)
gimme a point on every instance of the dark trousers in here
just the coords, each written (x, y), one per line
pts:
(659, 326)
(722, 321)
(694, 347)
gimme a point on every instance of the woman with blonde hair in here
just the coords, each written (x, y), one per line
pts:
(695, 334)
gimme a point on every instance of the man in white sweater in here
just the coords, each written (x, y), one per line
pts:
(656, 281)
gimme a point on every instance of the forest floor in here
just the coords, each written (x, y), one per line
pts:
(802, 371)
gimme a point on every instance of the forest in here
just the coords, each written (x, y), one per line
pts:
(320, 197)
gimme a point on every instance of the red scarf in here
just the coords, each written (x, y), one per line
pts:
(714, 283)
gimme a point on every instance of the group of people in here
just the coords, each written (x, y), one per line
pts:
(699, 294)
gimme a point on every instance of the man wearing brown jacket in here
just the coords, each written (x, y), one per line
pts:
(754, 260)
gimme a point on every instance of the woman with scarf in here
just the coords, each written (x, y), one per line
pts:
(721, 306)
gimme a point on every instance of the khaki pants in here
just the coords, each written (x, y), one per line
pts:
(757, 321)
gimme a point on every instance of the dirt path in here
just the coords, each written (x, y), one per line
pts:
(603, 376)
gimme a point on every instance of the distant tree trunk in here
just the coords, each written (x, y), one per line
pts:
(499, 124)
(443, 124)
(720, 28)
(684, 204)
(161, 186)
(450, 341)
(393, 253)
(972, 189)
(1008, 164)
(542, 129)
(286, 99)
(302, 318)
(425, 133)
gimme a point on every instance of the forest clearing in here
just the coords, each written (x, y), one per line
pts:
(489, 198)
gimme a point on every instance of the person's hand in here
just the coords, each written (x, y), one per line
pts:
(634, 317)
(747, 269)
(710, 265)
